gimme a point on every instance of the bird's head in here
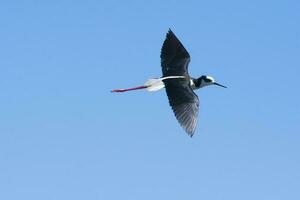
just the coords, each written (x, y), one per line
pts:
(206, 81)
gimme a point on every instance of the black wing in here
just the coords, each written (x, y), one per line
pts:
(174, 57)
(184, 102)
(182, 99)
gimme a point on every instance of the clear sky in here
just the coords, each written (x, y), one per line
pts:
(63, 135)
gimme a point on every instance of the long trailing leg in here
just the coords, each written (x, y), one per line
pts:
(129, 89)
(153, 84)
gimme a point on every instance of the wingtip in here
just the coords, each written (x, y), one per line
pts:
(169, 34)
(191, 134)
(189, 131)
(170, 31)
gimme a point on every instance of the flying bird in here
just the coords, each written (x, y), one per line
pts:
(178, 83)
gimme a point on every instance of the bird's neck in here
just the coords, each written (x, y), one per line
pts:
(194, 83)
(197, 83)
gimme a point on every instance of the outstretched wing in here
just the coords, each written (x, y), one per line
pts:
(174, 57)
(182, 99)
(184, 102)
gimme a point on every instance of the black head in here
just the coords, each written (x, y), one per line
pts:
(206, 81)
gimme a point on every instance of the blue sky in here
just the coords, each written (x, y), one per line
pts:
(63, 135)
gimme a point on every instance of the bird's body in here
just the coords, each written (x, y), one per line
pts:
(178, 83)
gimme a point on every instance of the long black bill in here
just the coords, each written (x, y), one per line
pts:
(220, 85)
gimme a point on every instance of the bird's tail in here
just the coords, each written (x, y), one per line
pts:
(154, 84)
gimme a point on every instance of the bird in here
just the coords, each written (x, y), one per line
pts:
(179, 85)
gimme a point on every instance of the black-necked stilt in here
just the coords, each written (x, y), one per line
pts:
(178, 83)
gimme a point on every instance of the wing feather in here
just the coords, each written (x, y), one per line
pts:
(184, 103)
(174, 57)
(182, 99)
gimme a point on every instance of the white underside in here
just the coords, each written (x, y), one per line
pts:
(155, 84)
